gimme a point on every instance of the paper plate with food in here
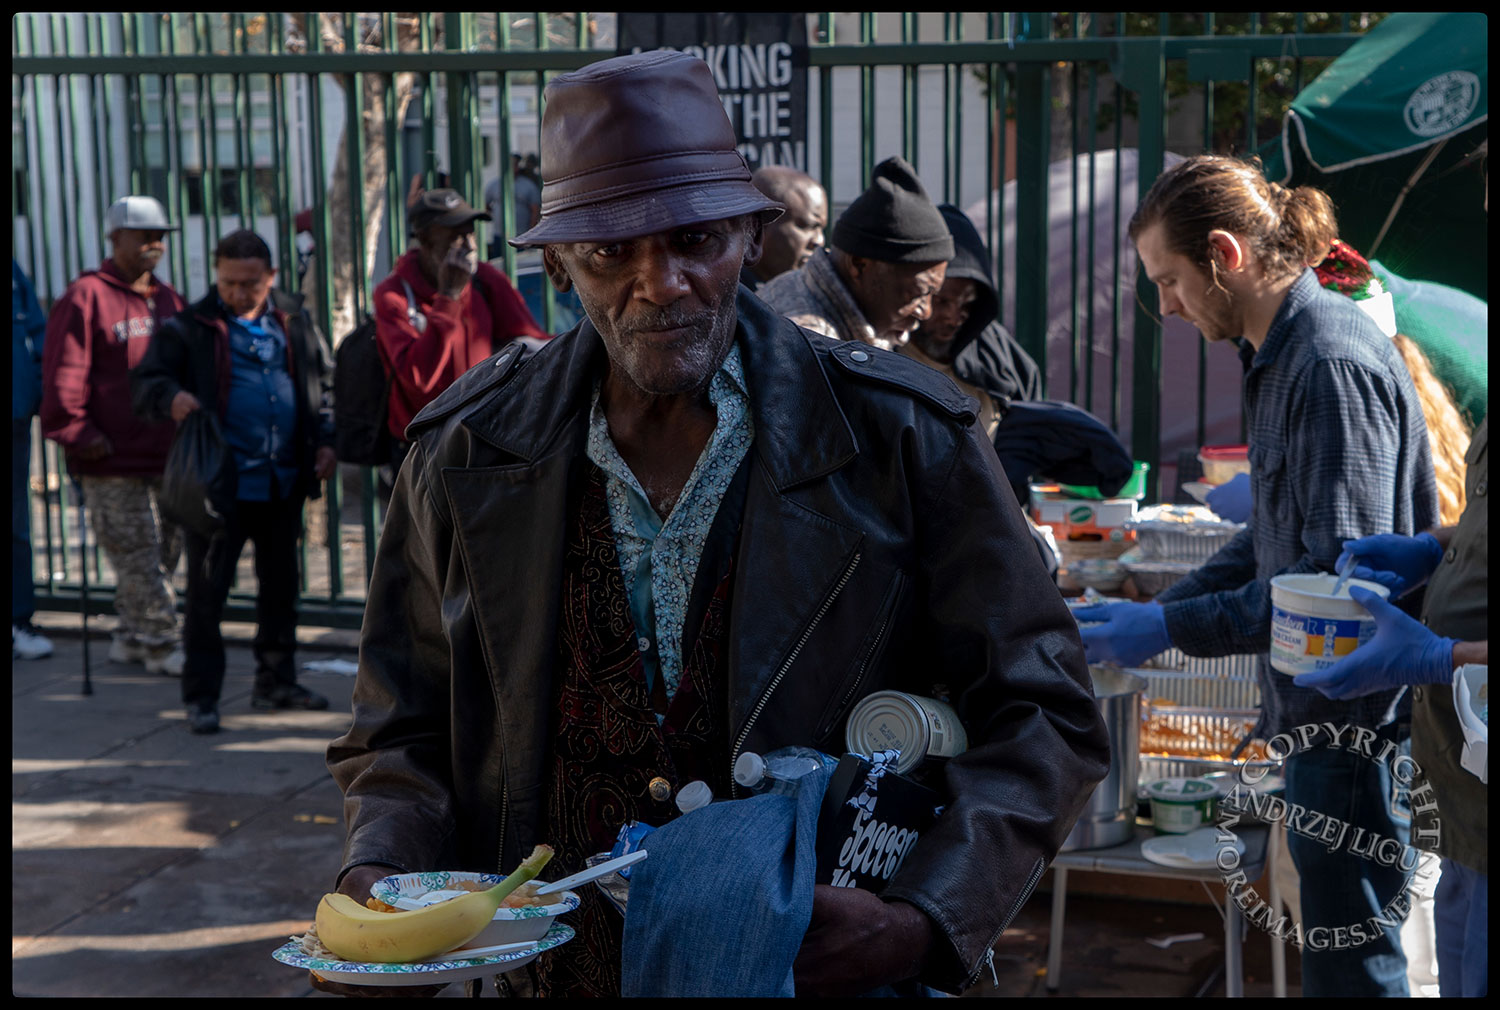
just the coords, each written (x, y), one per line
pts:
(445, 940)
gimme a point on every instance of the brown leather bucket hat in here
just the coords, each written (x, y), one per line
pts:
(637, 145)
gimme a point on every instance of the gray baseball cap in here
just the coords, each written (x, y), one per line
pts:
(142, 213)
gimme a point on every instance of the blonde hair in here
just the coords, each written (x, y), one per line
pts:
(1446, 430)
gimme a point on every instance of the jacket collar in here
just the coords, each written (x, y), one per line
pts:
(801, 431)
(211, 311)
(1302, 291)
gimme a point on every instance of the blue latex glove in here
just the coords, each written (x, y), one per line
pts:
(1232, 500)
(1132, 632)
(1403, 652)
(1399, 563)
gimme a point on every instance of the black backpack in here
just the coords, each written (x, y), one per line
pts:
(362, 392)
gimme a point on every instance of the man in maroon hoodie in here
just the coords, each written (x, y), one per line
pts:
(441, 311)
(97, 331)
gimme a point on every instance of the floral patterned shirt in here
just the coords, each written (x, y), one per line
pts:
(659, 558)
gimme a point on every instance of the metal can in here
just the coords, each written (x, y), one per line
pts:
(921, 727)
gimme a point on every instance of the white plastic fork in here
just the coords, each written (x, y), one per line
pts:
(1167, 941)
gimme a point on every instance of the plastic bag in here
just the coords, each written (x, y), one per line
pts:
(199, 482)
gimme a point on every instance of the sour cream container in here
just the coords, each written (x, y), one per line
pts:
(1180, 805)
(919, 727)
(1311, 629)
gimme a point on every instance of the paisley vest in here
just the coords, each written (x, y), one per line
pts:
(608, 745)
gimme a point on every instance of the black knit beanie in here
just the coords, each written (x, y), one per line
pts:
(894, 220)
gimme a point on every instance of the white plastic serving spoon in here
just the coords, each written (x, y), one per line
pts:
(1344, 574)
(593, 872)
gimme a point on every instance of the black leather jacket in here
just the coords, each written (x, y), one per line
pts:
(880, 548)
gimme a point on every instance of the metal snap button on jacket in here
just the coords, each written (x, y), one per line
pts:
(858, 356)
(660, 789)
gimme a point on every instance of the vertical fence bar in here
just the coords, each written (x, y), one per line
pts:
(866, 103)
(321, 225)
(286, 228)
(1033, 147)
(1115, 320)
(1146, 75)
(993, 185)
(67, 210)
(825, 115)
(549, 295)
(429, 111)
(1088, 367)
(958, 120)
(508, 226)
(244, 174)
(951, 136)
(176, 176)
(75, 180)
(1208, 146)
(909, 98)
(131, 26)
(1073, 335)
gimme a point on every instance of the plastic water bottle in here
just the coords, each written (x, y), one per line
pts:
(694, 795)
(778, 771)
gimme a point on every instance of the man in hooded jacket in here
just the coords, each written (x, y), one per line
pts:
(963, 338)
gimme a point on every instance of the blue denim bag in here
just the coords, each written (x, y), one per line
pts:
(722, 904)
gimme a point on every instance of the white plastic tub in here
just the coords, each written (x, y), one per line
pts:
(1311, 629)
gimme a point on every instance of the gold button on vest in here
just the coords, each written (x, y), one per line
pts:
(660, 789)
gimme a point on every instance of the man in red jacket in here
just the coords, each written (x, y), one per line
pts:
(441, 311)
(98, 330)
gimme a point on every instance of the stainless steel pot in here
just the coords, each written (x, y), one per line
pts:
(1109, 817)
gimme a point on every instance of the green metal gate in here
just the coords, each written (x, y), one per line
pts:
(232, 120)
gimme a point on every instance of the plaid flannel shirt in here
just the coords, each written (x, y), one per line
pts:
(1338, 450)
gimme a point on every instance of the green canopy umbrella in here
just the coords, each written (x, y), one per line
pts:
(1390, 130)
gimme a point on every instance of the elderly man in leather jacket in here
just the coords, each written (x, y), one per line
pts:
(687, 529)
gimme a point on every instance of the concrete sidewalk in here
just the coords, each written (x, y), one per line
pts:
(147, 861)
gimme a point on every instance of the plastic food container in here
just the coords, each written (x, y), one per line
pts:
(1180, 532)
(1135, 487)
(1103, 574)
(1311, 629)
(1180, 805)
(1154, 577)
(1221, 462)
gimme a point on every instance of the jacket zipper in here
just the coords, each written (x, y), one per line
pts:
(734, 752)
(504, 816)
(989, 958)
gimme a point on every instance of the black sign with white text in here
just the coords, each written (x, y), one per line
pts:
(759, 63)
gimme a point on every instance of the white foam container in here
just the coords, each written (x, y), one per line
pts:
(1311, 629)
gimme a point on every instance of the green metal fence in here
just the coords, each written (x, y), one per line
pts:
(243, 119)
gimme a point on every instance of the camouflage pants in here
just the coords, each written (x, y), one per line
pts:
(142, 548)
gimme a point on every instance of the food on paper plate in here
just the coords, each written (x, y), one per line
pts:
(355, 932)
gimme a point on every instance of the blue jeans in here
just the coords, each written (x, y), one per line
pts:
(1461, 910)
(22, 589)
(1342, 890)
